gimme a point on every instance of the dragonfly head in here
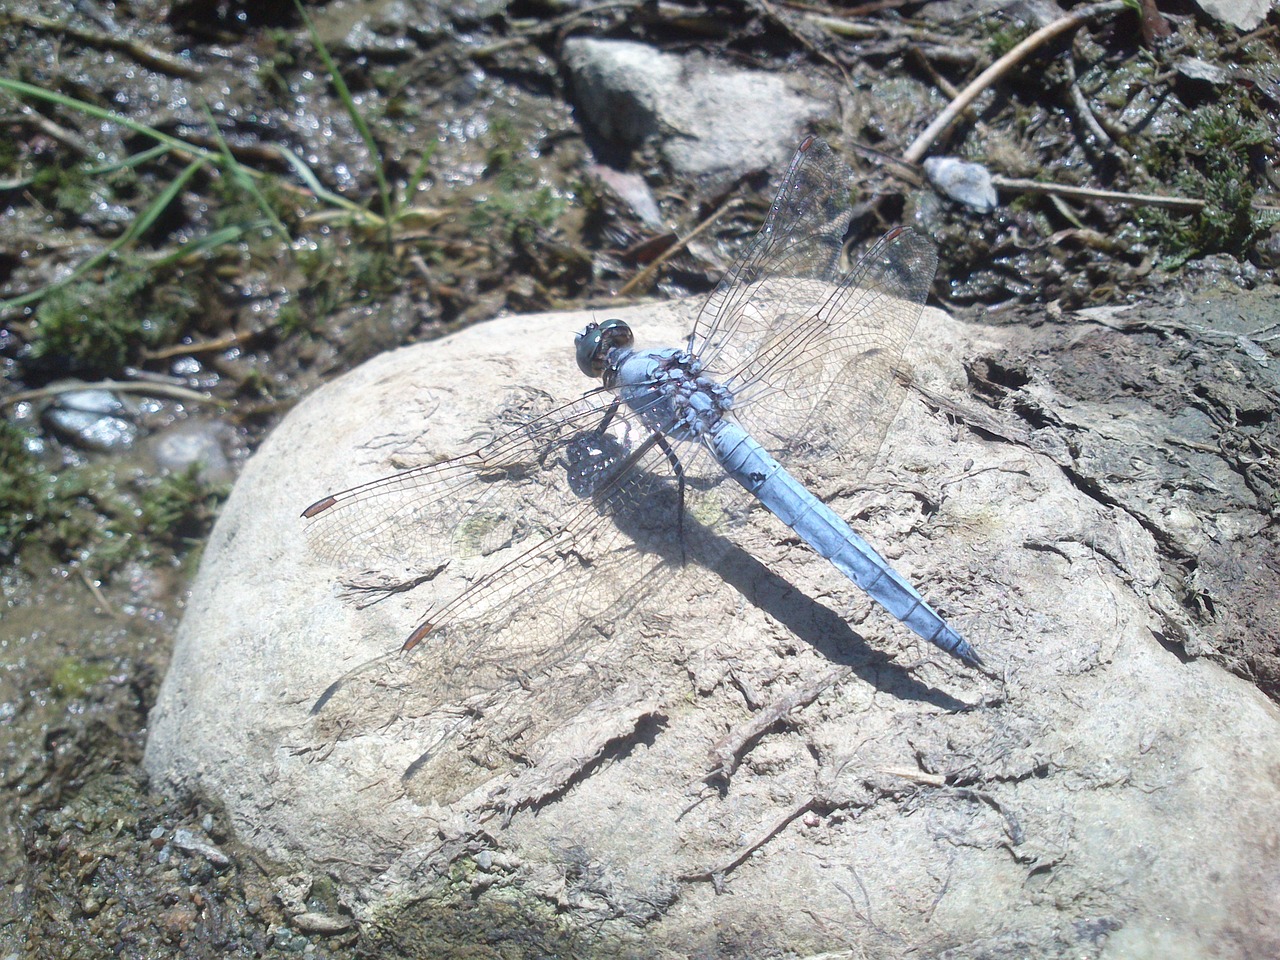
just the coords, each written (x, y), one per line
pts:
(595, 342)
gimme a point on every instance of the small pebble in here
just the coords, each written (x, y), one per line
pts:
(967, 183)
(91, 431)
(196, 442)
(190, 842)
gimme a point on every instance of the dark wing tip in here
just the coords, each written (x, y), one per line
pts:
(320, 506)
(416, 637)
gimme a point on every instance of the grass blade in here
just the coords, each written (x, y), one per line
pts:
(344, 94)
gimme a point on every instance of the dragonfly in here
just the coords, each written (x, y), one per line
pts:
(576, 511)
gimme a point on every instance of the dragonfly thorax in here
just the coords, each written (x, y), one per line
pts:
(669, 391)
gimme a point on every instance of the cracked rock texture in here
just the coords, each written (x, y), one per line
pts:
(1099, 795)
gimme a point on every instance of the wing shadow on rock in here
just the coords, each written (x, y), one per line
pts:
(487, 695)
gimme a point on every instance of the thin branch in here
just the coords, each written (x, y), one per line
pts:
(916, 152)
(724, 755)
(1084, 113)
(71, 141)
(201, 346)
(644, 275)
(145, 55)
(747, 849)
(1112, 196)
(118, 386)
(99, 596)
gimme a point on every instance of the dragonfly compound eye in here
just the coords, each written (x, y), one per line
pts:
(595, 342)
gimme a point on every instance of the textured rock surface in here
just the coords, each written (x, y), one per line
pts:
(1101, 798)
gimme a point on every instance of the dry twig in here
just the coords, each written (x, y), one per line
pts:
(751, 846)
(644, 275)
(217, 344)
(724, 755)
(145, 55)
(99, 596)
(117, 386)
(1112, 196)
(916, 152)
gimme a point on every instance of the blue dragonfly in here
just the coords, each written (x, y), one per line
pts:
(578, 510)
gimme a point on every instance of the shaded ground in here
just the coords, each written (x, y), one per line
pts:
(222, 289)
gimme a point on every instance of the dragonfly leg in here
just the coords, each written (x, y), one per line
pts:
(665, 446)
(674, 460)
(608, 415)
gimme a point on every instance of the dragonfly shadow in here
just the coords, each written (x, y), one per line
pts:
(495, 686)
(812, 622)
(826, 631)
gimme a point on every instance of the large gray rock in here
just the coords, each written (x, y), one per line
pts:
(1101, 798)
(1242, 14)
(705, 117)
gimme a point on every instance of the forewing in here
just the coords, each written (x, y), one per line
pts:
(809, 349)
(444, 510)
(801, 238)
(530, 550)
(823, 382)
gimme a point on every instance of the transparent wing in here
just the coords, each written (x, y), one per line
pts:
(821, 382)
(528, 550)
(802, 237)
(421, 512)
(807, 348)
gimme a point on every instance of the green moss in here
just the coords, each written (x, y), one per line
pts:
(518, 202)
(73, 677)
(276, 59)
(338, 273)
(96, 326)
(67, 188)
(1004, 36)
(1208, 156)
(520, 213)
(174, 510)
(234, 204)
(22, 488)
(80, 502)
(87, 513)
(10, 157)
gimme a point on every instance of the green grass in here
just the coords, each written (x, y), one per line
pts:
(97, 326)
(150, 282)
(255, 202)
(340, 274)
(518, 202)
(149, 278)
(155, 274)
(73, 676)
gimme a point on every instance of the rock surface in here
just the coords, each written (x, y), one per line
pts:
(1097, 796)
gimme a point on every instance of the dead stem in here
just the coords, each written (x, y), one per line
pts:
(146, 55)
(916, 152)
